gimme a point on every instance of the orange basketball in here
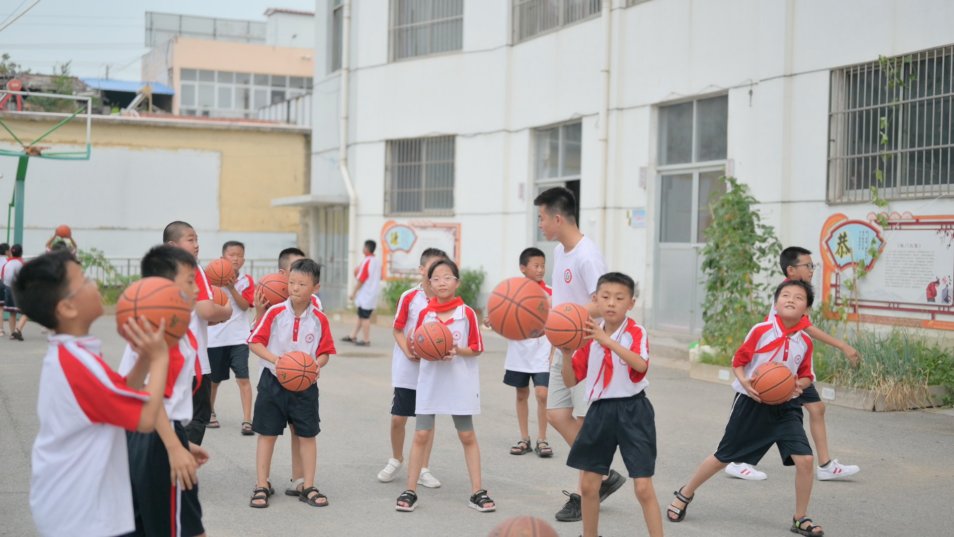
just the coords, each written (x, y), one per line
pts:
(565, 324)
(64, 231)
(517, 308)
(774, 382)
(523, 526)
(274, 287)
(221, 298)
(432, 341)
(220, 272)
(296, 371)
(156, 299)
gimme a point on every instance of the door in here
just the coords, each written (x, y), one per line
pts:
(331, 252)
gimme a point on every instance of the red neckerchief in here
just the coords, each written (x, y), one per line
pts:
(773, 345)
(543, 285)
(606, 367)
(441, 307)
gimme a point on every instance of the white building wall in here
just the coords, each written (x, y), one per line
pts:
(290, 30)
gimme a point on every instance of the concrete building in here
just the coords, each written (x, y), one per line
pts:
(454, 114)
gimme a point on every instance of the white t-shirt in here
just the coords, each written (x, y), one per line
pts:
(183, 366)
(80, 468)
(404, 371)
(531, 355)
(369, 273)
(199, 326)
(282, 332)
(10, 271)
(590, 364)
(574, 277)
(235, 330)
(452, 386)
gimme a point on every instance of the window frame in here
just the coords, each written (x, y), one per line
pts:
(393, 9)
(515, 20)
(390, 201)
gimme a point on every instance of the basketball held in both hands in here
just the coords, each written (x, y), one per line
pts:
(220, 298)
(63, 231)
(566, 326)
(433, 341)
(156, 299)
(220, 272)
(296, 371)
(274, 288)
(518, 308)
(774, 383)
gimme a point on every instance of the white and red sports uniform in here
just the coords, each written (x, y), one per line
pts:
(281, 331)
(235, 330)
(198, 325)
(531, 355)
(369, 274)
(80, 483)
(404, 371)
(607, 375)
(452, 386)
(183, 366)
(770, 341)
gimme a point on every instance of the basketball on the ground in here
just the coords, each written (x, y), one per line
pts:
(219, 297)
(274, 287)
(64, 231)
(296, 371)
(432, 341)
(155, 299)
(523, 526)
(517, 308)
(565, 324)
(774, 383)
(220, 272)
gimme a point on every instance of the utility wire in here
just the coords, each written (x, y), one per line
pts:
(22, 13)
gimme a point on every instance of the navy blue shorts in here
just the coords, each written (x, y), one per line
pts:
(753, 427)
(364, 314)
(9, 304)
(404, 402)
(228, 358)
(275, 407)
(627, 423)
(519, 379)
(809, 395)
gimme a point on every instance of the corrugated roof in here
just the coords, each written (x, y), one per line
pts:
(128, 86)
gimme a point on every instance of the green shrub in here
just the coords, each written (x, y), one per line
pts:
(471, 280)
(111, 282)
(393, 289)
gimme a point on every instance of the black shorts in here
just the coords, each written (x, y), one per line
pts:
(157, 504)
(519, 379)
(9, 304)
(809, 395)
(753, 427)
(628, 423)
(364, 314)
(230, 357)
(404, 402)
(275, 407)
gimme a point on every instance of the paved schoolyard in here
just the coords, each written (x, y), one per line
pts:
(906, 486)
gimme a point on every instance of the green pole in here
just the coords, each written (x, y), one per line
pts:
(18, 195)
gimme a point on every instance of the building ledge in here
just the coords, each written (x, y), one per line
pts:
(310, 200)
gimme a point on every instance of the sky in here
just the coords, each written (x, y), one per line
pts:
(94, 34)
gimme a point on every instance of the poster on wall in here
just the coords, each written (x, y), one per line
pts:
(403, 243)
(909, 265)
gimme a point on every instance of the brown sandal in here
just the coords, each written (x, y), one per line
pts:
(260, 495)
(543, 449)
(521, 447)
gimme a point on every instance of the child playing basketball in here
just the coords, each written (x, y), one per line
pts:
(530, 359)
(753, 426)
(612, 368)
(796, 264)
(404, 372)
(293, 325)
(449, 386)
(80, 481)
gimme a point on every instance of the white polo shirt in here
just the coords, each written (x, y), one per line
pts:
(576, 272)
(369, 273)
(282, 332)
(769, 341)
(199, 326)
(404, 371)
(235, 330)
(531, 355)
(80, 469)
(592, 364)
(183, 367)
(452, 386)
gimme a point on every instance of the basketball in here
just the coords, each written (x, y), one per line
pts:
(517, 309)
(274, 287)
(432, 341)
(296, 371)
(219, 297)
(64, 231)
(220, 272)
(155, 299)
(523, 526)
(774, 383)
(565, 324)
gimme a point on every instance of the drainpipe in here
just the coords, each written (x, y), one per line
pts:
(606, 17)
(345, 90)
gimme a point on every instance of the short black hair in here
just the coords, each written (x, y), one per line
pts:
(164, 260)
(450, 264)
(789, 258)
(370, 245)
(620, 278)
(175, 230)
(430, 253)
(288, 252)
(230, 244)
(4, 248)
(41, 285)
(559, 200)
(309, 267)
(809, 292)
(59, 245)
(530, 253)
(16, 250)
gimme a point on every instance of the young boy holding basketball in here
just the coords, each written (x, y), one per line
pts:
(450, 385)
(796, 264)
(754, 426)
(80, 471)
(612, 368)
(156, 456)
(294, 325)
(405, 367)
(529, 359)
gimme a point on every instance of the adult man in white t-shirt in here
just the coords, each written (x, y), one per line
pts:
(365, 294)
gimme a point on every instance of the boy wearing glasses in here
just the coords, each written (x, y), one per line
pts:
(796, 264)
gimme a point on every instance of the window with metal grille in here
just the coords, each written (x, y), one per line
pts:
(534, 17)
(557, 152)
(420, 175)
(337, 17)
(631, 3)
(422, 27)
(890, 128)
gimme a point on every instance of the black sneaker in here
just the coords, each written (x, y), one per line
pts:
(572, 510)
(611, 485)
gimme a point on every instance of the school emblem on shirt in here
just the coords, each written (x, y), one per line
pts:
(309, 338)
(798, 359)
(567, 276)
(456, 336)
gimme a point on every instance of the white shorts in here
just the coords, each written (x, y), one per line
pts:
(559, 396)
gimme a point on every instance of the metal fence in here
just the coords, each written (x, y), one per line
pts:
(295, 111)
(128, 267)
(160, 27)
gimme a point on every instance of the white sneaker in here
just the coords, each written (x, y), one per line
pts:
(836, 470)
(427, 479)
(390, 471)
(745, 471)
